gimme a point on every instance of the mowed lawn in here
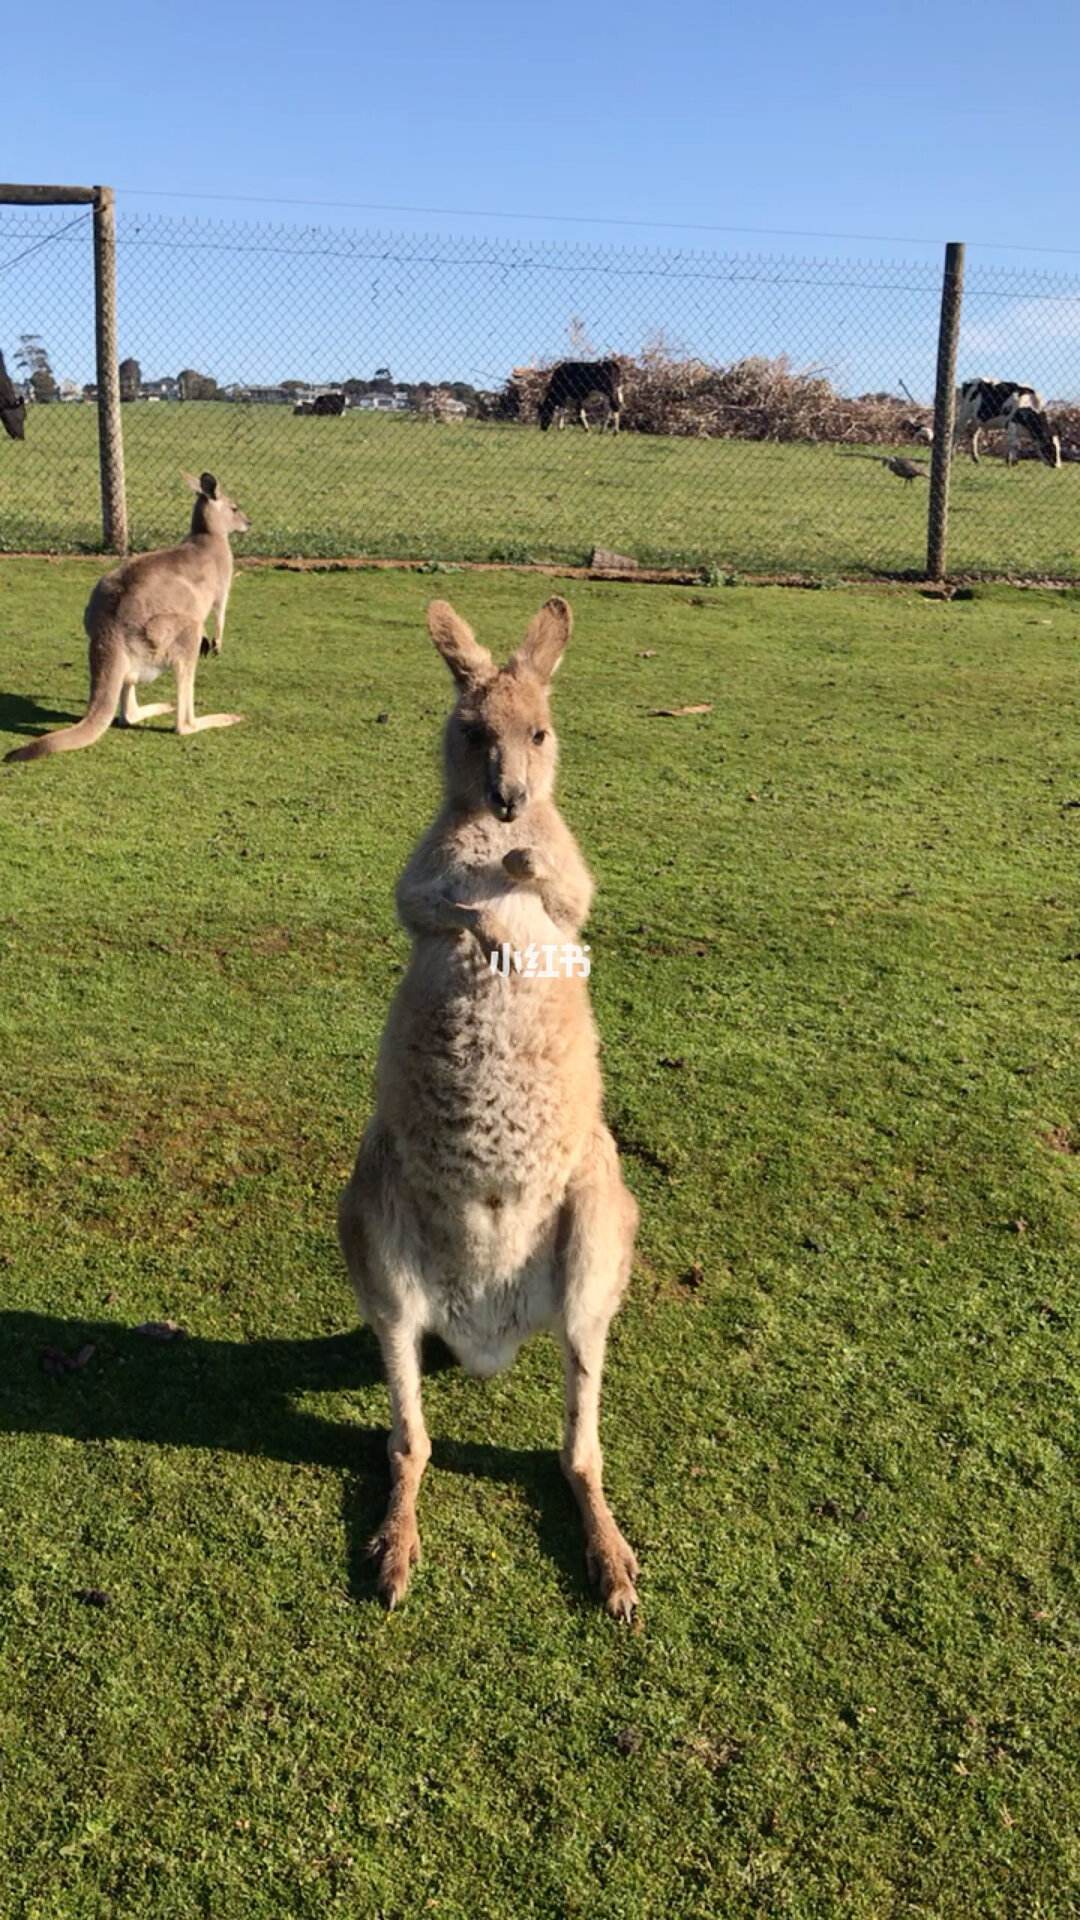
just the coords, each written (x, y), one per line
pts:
(404, 488)
(836, 952)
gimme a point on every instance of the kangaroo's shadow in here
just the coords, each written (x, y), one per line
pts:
(21, 715)
(240, 1397)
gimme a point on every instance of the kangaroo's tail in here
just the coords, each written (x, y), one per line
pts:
(104, 695)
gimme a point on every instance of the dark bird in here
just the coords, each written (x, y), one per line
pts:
(12, 406)
(905, 469)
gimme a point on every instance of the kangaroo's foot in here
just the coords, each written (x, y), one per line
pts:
(396, 1547)
(210, 720)
(131, 713)
(613, 1568)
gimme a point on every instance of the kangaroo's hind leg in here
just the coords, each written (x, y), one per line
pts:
(187, 658)
(596, 1244)
(131, 713)
(373, 1240)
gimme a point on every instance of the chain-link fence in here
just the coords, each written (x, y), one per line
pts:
(364, 393)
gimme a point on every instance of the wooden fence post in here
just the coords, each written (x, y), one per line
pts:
(110, 434)
(952, 291)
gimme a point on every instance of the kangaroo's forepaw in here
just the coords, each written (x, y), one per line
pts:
(613, 1567)
(396, 1547)
(521, 864)
(472, 920)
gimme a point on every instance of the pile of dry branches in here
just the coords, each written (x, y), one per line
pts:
(437, 404)
(754, 399)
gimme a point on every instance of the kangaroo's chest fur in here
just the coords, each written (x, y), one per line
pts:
(489, 1086)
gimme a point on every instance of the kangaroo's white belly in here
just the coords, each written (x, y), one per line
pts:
(142, 670)
(484, 1326)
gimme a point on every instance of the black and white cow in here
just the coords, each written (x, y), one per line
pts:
(12, 406)
(983, 404)
(571, 384)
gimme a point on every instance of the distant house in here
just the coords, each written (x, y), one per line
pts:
(383, 403)
(295, 394)
(167, 389)
(265, 396)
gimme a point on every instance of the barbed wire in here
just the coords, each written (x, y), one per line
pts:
(658, 224)
(48, 240)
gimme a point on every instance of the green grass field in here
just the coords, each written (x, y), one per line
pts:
(402, 488)
(836, 952)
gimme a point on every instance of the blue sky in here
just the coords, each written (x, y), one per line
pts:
(784, 129)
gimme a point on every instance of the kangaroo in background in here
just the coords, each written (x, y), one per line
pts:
(487, 1200)
(149, 614)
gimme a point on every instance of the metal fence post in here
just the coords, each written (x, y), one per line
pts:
(110, 434)
(952, 290)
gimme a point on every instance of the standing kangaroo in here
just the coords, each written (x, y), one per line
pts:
(149, 614)
(487, 1201)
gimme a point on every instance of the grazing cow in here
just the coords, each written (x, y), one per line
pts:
(1005, 403)
(12, 406)
(571, 384)
(329, 403)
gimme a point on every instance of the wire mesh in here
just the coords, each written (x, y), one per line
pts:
(49, 486)
(761, 398)
(1020, 519)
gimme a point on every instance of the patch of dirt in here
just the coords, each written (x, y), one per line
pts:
(192, 1143)
(271, 940)
(902, 581)
(716, 1754)
(1061, 1140)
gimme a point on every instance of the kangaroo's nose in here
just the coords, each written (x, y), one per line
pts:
(510, 802)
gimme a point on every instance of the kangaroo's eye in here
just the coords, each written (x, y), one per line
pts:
(539, 737)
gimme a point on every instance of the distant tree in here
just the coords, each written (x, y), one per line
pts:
(34, 361)
(130, 379)
(382, 380)
(196, 386)
(354, 388)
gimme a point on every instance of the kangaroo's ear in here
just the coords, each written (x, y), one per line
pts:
(468, 661)
(208, 485)
(545, 641)
(189, 480)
